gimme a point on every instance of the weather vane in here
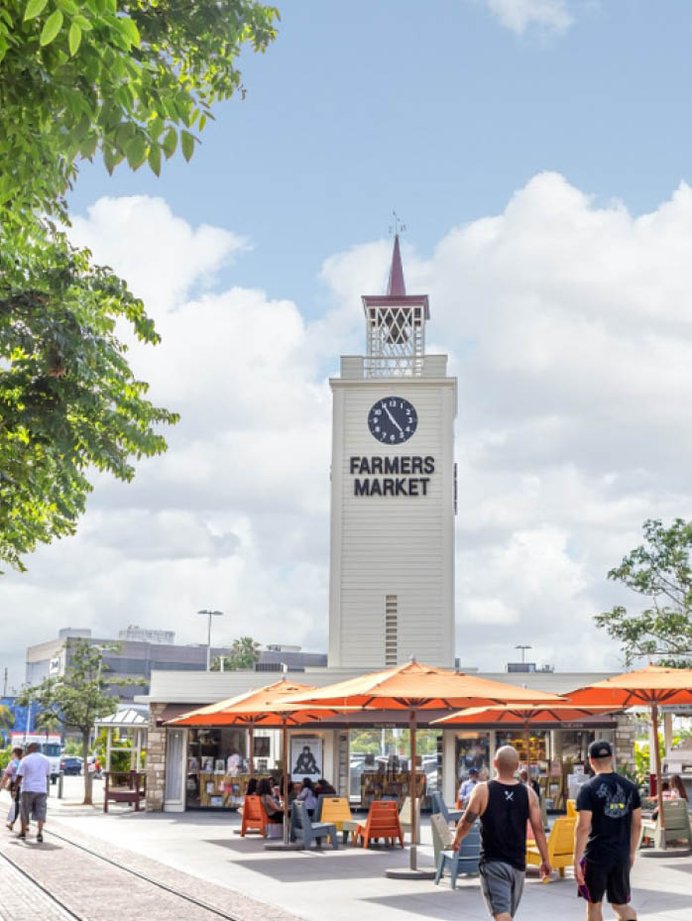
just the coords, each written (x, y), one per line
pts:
(397, 227)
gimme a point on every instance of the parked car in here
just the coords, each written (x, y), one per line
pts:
(71, 764)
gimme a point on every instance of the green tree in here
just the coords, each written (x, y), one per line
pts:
(68, 399)
(245, 652)
(6, 719)
(78, 698)
(659, 570)
(128, 80)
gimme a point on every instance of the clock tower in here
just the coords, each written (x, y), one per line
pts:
(393, 485)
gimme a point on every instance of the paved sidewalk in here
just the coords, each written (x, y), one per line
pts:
(349, 882)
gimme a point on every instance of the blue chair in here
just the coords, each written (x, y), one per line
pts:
(465, 860)
(302, 827)
(439, 806)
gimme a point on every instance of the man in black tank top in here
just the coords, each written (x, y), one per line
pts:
(504, 806)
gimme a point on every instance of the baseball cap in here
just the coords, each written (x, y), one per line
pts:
(473, 770)
(600, 749)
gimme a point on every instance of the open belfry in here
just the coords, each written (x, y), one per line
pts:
(393, 491)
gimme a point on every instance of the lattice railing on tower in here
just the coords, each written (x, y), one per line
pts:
(396, 341)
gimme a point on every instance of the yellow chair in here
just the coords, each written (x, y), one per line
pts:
(560, 846)
(335, 809)
(571, 809)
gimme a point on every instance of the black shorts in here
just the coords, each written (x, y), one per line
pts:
(607, 877)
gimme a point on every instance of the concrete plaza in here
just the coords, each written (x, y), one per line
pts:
(343, 884)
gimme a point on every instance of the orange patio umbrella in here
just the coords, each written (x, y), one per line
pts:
(518, 714)
(652, 687)
(413, 687)
(268, 707)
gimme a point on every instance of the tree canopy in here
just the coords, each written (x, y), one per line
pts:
(245, 652)
(130, 79)
(127, 80)
(77, 698)
(659, 570)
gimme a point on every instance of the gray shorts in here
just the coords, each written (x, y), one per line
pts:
(33, 804)
(502, 886)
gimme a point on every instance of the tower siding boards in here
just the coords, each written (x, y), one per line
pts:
(400, 546)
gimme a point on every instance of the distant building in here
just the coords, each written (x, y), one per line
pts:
(528, 667)
(139, 651)
(142, 635)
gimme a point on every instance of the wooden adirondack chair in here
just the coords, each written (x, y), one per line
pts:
(560, 846)
(302, 827)
(439, 805)
(254, 816)
(382, 822)
(405, 817)
(677, 824)
(334, 809)
(465, 860)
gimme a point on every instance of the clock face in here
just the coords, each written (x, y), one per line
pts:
(392, 420)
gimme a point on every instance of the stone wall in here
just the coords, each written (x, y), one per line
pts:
(625, 734)
(156, 760)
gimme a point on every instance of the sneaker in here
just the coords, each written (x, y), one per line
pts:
(22, 834)
(39, 838)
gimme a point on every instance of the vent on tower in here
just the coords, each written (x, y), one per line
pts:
(391, 629)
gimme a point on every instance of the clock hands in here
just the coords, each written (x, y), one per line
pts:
(392, 419)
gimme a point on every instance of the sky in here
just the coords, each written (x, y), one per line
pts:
(539, 153)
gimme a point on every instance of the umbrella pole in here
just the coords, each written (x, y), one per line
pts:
(527, 735)
(657, 766)
(285, 790)
(250, 747)
(413, 853)
(412, 872)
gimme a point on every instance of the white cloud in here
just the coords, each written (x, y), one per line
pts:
(519, 15)
(567, 322)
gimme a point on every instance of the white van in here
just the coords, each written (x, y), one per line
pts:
(49, 746)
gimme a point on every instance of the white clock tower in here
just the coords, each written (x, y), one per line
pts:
(393, 488)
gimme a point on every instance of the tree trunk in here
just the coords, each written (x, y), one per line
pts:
(88, 800)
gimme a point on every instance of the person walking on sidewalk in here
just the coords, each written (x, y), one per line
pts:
(606, 836)
(10, 780)
(504, 806)
(34, 771)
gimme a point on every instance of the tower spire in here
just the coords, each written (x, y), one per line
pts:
(397, 285)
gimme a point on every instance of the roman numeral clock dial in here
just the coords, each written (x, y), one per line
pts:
(392, 420)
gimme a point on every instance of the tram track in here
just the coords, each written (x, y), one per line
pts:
(202, 909)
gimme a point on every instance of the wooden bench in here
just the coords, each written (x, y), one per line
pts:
(124, 787)
(382, 822)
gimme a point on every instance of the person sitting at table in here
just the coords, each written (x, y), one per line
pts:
(251, 789)
(324, 788)
(272, 806)
(307, 796)
(677, 787)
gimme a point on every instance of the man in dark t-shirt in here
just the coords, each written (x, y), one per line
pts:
(504, 807)
(606, 836)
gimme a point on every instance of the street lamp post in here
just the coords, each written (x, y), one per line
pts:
(209, 614)
(523, 652)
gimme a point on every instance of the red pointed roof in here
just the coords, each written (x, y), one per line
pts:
(396, 295)
(397, 285)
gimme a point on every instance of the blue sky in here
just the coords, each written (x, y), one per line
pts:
(539, 153)
(436, 110)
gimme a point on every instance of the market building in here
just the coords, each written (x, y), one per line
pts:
(391, 597)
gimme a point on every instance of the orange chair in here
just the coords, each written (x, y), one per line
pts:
(254, 816)
(382, 822)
